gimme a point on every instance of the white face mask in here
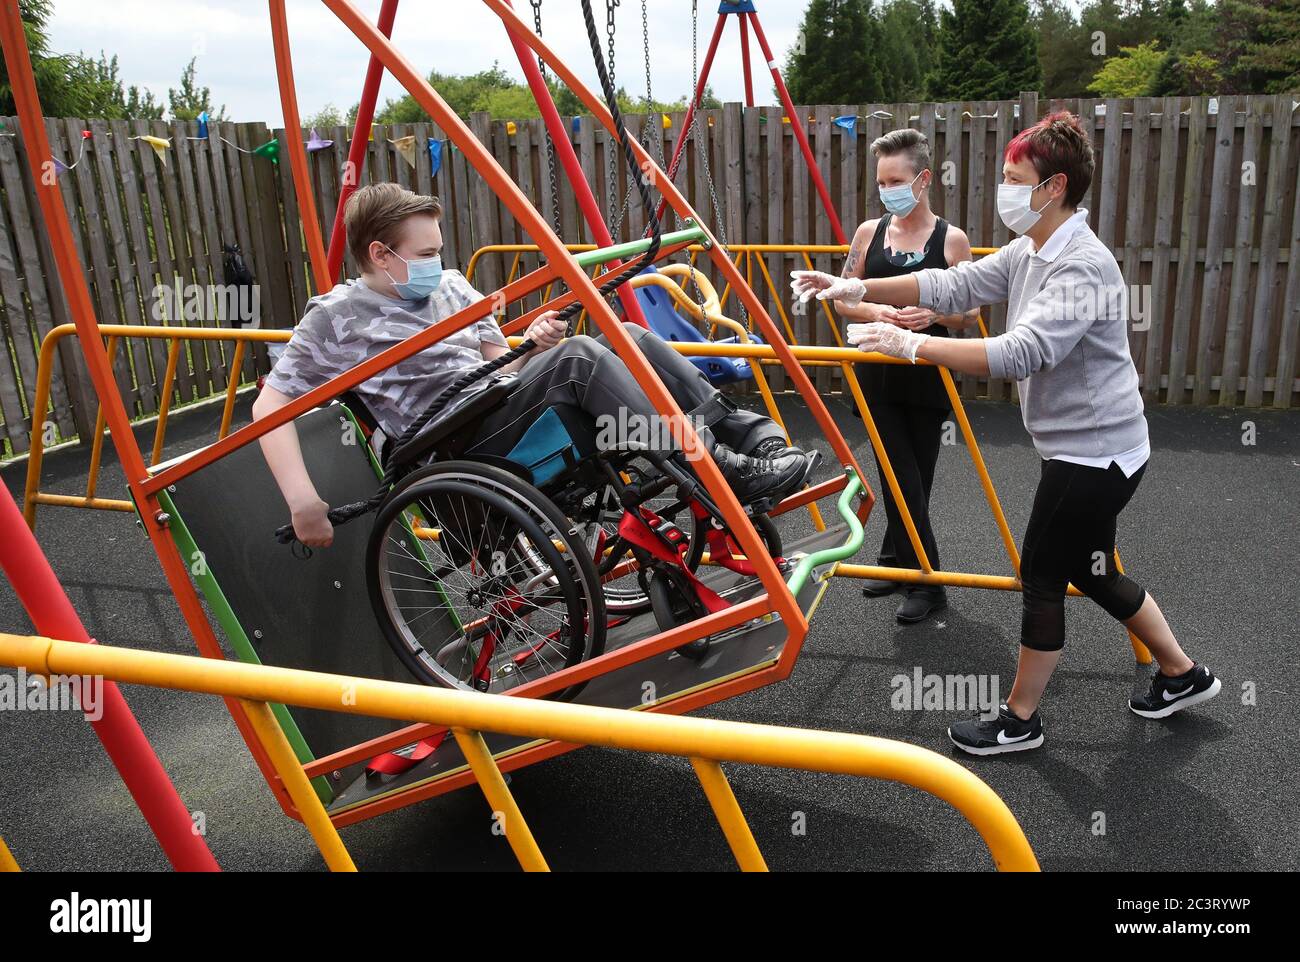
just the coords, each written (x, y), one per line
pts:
(1014, 208)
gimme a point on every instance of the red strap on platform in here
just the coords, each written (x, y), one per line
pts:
(391, 763)
(636, 531)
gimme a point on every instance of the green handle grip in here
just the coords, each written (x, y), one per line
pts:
(839, 552)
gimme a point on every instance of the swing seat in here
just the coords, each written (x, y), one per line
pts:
(665, 320)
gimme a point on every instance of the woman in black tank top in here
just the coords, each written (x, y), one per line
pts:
(908, 403)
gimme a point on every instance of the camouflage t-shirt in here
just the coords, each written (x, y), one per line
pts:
(352, 323)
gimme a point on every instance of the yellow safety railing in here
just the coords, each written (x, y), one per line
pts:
(114, 334)
(744, 256)
(709, 312)
(747, 255)
(706, 742)
(7, 861)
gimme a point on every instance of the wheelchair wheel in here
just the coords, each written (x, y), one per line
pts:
(478, 581)
(673, 601)
(626, 596)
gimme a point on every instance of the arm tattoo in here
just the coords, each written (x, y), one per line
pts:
(851, 265)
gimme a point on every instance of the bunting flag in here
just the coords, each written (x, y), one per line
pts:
(270, 149)
(60, 167)
(577, 125)
(849, 122)
(203, 125)
(435, 157)
(406, 147)
(371, 135)
(160, 145)
(511, 128)
(668, 122)
(315, 143)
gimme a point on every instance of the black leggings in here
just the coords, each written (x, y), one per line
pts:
(911, 434)
(1071, 539)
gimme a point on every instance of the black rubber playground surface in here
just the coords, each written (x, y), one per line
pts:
(1212, 532)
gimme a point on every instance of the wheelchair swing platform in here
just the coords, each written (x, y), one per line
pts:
(277, 608)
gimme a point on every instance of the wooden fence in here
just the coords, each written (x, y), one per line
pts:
(1202, 213)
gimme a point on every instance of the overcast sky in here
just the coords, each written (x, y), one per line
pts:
(154, 39)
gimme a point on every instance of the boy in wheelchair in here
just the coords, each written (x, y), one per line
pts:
(395, 235)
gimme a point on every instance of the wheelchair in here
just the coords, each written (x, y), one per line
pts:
(486, 572)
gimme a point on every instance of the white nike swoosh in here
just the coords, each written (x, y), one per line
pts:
(1173, 696)
(1004, 740)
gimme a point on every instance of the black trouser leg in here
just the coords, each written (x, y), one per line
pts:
(585, 372)
(1071, 538)
(740, 430)
(911, 437)
(582, 372)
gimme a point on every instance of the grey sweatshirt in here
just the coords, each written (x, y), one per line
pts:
(1066, 342)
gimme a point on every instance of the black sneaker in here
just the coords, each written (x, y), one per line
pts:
(761, 479)
(1168, 695)
(920, 604)
(1006, 733)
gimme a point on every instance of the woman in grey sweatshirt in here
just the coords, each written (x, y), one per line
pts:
(1067, 347)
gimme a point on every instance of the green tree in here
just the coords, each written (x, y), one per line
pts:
(1125, 23)
(1192, 74)
(1192, 27)
(907, 31)
(69, 85)
(1065, 55)
(189, 100)
(463, 93)
(1274, 54)
(323, 119)
(837, 57)
(109, 98)
(986, 50)
(1129, 74)
(505, 98)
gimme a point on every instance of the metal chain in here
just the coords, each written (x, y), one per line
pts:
(556, 222)
(649, 93)
(651, 129)
(611, 194)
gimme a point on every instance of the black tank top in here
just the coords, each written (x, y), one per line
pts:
(894, 383)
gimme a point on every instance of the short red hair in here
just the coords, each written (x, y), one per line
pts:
(1057, 144)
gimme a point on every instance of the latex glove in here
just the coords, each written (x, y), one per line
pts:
(547, 330)
(827, 287)
(914, 318)
(886, 339)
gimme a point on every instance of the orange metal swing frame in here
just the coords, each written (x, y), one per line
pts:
(559, 266)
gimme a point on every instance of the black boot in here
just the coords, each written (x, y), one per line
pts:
(761, 479)
(879, 587)
(774, 448)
